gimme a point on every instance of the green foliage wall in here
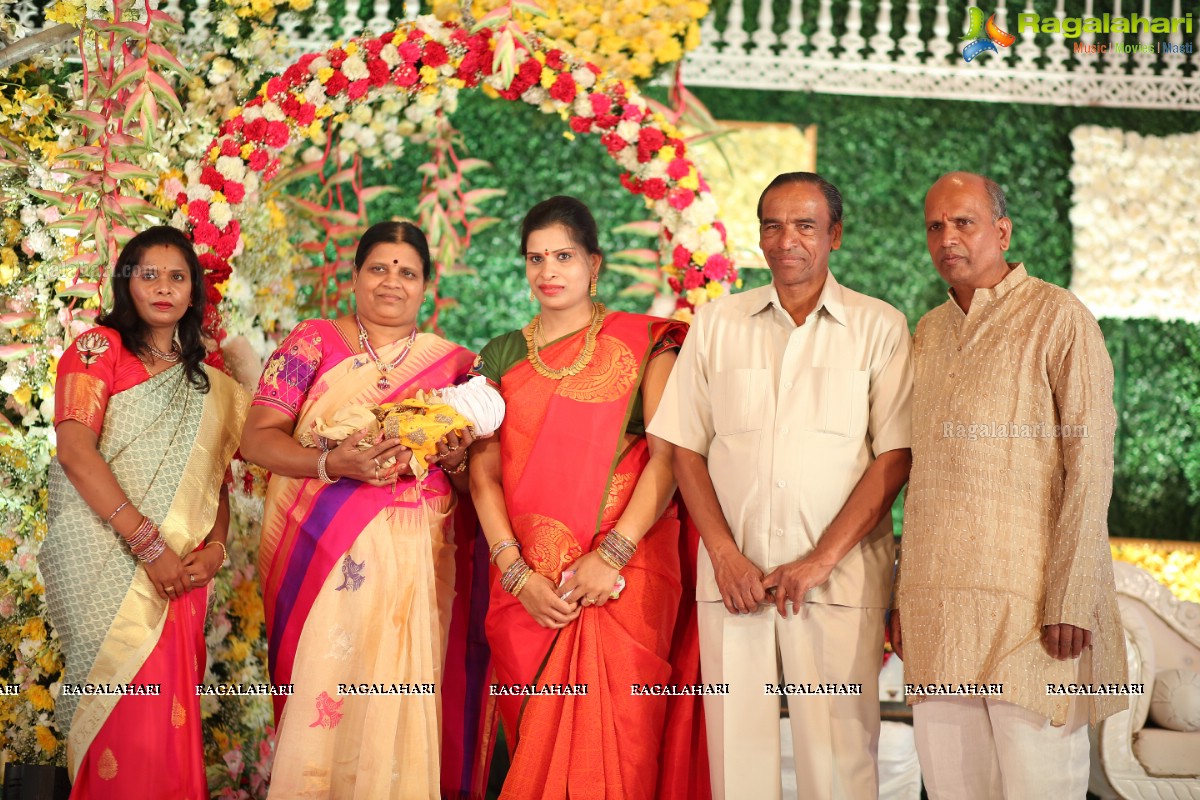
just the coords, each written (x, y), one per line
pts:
(883, 154)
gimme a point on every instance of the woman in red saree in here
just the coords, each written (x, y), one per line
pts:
(138, 520)
(573, 483)
(358, 558)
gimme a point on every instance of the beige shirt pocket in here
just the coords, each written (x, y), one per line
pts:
(739, 400)
(830, 400)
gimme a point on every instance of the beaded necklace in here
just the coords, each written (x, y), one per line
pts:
(365, 342)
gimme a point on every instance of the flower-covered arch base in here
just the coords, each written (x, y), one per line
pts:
(422, 65)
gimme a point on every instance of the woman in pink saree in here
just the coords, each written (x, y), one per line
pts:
(358, 556)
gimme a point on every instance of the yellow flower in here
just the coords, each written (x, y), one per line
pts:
(34, 629)
(667, 153)
(690, 181)
(46, 739)
(23, 395)
(324, 74)
(7, 548)
(49, 662)
(548, 77)
(429, 75)
(324, 111)
(300, 5)
(39, 697)
(238, 650)
(714, 290)
(700, 257)
(10, 231)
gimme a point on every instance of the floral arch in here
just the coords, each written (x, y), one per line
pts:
(422, 65)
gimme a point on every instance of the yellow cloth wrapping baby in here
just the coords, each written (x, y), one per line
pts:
(419, 423)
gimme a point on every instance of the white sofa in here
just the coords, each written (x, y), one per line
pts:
(1131, 756)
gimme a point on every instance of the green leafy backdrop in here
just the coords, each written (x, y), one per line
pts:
(883, 154)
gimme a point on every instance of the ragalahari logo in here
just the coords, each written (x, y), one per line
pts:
(982, 38)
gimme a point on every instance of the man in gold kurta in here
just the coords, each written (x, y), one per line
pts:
(1006, 580)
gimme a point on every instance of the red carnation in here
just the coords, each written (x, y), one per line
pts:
(306, 61)
(211, 293)
(294, 75)
(198, 211)
(229, 148)
(652, 139)
(655, 188)
(275, 86)
(676, 286)
(234, 192)
(613, 142)
(681, 257)
(379, 71)
(305, 113)
(601, 103)
(373, 46)
(210, 261)
(632, 113)
(256, 129)
(257, 160)
(405, 75)
(435, 55)
(410, 51)
(554, 59)
(336, 84)
(595, 70)
(232, 126)
(468, 69)
(681, 198)
(290, 105)
(693, 279)
(211, 178)
(181, 198)
(336, 58)
(678, 168)
(631, 183)
(269, 172)
(607, 121)
(581, 124)
(277, 134)
(717, 267)
(357, 89)
(563, 88)
(205, 233)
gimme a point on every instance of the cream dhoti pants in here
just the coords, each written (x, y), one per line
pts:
(835, 737)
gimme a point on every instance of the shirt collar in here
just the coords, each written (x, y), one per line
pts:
(1016, 275)
(830, 300)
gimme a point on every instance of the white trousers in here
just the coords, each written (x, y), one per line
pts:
(979, 748)
(835, 738)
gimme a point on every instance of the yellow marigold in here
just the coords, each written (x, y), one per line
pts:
(10, 231)
(49, 662)
(34, 628)
(238, 650)
(46, 739)
(65, 11)
(39, 697)
(7, 548)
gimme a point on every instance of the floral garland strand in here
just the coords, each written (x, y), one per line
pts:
(423, 64)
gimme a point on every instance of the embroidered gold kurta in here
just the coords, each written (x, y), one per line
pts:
(1005, 519)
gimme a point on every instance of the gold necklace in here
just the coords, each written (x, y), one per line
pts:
(585, 355)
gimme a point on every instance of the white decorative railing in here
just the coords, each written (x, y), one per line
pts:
(898, 48)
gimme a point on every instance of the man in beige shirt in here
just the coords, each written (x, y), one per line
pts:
(789, 409)
(1006, 578)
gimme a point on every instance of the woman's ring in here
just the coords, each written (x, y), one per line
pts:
(170, 588)
(192, 578)
(376, 460)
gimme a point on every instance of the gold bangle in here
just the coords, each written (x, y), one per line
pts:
(224, 552)
(524, 579)
(460, 469)
(607, 559)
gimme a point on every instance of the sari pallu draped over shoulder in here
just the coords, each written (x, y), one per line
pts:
(568, 475)
(308, 529)
(168, 446)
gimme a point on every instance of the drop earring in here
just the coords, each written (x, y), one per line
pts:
(592, 287)
(531, 297)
